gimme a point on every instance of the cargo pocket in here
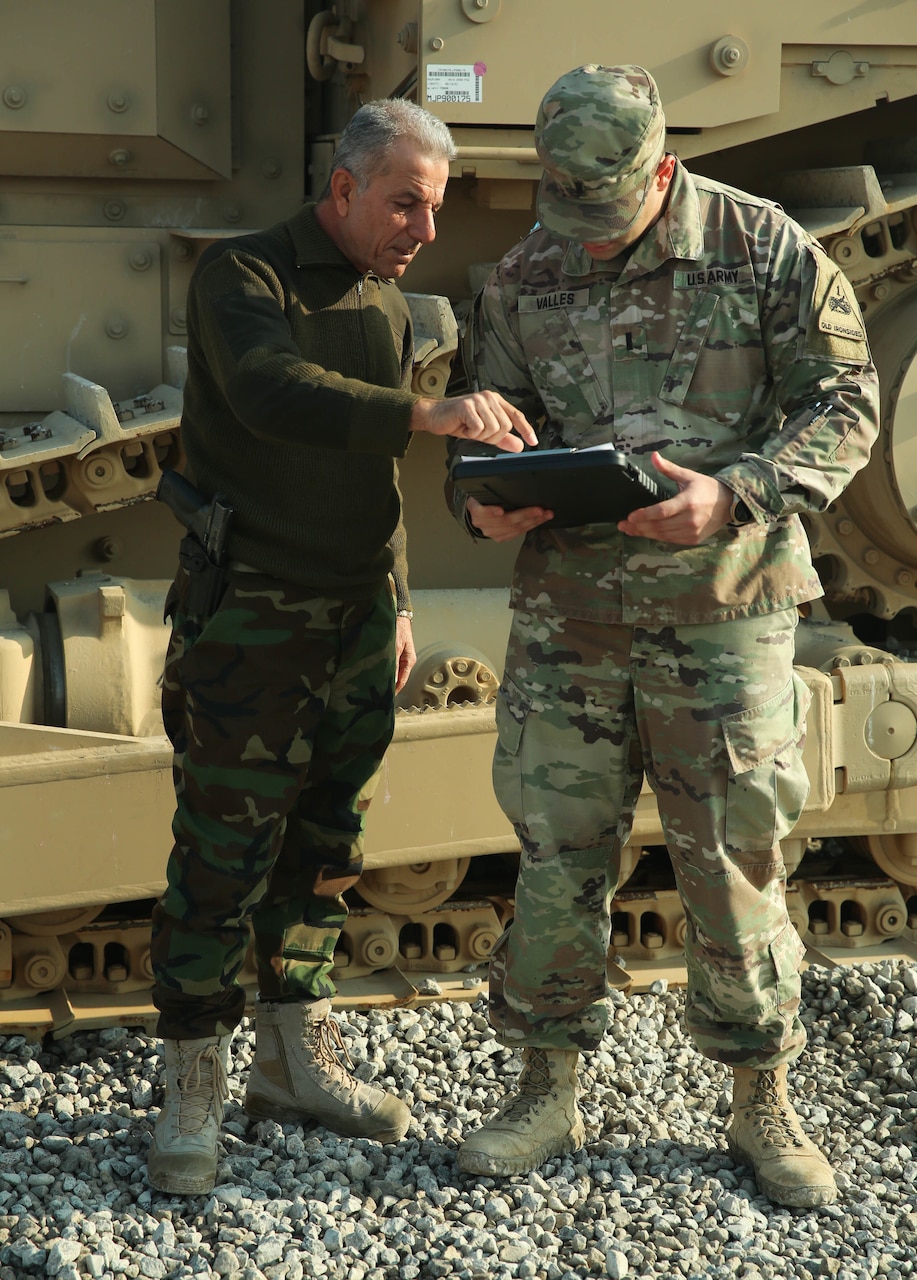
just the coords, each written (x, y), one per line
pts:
(787, 951)
(497, 960)
(768, 784)
(512, 710)
(508, 1016)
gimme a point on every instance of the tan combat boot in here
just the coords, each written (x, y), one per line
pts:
(540, 1120)
(766, 1135)
(298, 1076)
(183, 1152)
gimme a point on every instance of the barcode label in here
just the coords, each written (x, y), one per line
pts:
(454, 83)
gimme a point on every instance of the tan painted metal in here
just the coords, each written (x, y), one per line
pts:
(416, 886)
(151, 99)
(97, 455)
(84, 817)
(896, 854)
(846, 913)
(726, 79)
(438, 940)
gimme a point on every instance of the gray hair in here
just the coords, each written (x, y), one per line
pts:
(377, 128)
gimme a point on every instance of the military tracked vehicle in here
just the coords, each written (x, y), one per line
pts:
(135, 132)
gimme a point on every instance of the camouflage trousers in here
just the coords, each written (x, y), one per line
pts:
(280, 707)
(713, 716)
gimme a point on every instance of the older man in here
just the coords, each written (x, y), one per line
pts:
(281, 673)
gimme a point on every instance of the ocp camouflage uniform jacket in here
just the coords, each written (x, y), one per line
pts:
(726, 323)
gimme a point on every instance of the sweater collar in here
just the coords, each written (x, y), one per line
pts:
(312, 246)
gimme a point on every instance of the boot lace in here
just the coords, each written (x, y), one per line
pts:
(324, 1041)
(534, 1085)
(202, 1087)
(776, 1125)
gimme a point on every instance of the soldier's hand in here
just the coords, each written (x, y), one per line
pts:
(502, 526)
(482, 416)
(406, 655)
(699, 508)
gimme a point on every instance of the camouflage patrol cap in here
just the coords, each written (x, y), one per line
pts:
(600, 134)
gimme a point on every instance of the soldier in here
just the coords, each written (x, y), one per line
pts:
(700, 327)
(279, 696)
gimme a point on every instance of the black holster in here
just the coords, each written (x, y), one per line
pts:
(206, 580)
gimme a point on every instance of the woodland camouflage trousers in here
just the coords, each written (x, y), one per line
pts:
(279, 707)
(713, 716)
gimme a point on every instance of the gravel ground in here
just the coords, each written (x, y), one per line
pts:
(654, 1193)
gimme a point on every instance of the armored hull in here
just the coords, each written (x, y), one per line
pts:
(135, 132)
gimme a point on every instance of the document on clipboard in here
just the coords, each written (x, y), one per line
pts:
(596, 485)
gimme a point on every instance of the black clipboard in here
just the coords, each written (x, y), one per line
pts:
(598, 485)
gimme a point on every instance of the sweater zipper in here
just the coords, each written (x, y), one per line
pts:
(363, 328)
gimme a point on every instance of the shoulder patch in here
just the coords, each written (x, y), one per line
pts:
(834, 328)
(835, 308)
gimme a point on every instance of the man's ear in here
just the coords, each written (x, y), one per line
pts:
(343, 188)
(666, 169)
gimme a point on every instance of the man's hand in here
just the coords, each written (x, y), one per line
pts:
(482, 416)
(700, 507)
(502, 526)
(405, 654)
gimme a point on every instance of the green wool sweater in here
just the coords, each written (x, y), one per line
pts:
(296, 404)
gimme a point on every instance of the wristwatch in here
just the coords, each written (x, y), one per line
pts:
(739, 513)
